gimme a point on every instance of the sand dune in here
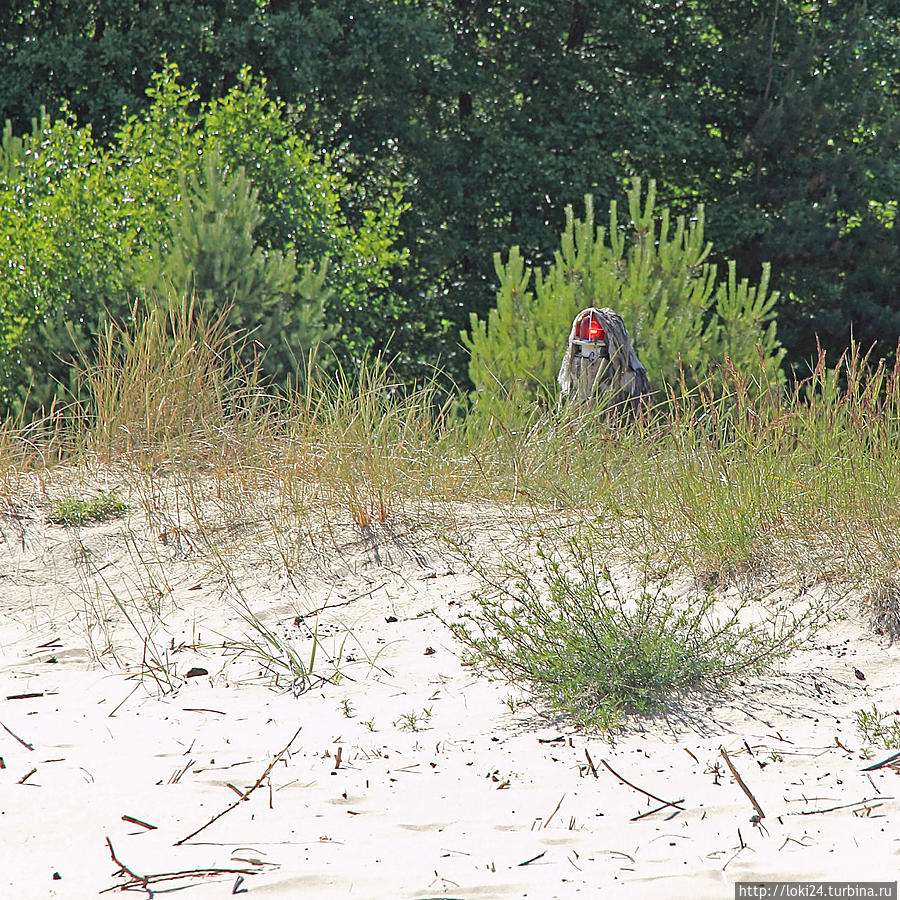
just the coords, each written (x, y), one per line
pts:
(401, 772)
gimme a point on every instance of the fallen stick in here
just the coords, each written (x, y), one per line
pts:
(110, 715)
(328, 606)
(741, 784)
(555, 811)
(812, 812)
(650, 812)
(591, 763)
(789, 840)
(23, 743)
(866, 809)
(135, 821)
(891, 760)
(245, 795)
(646, 793)
(144, 880)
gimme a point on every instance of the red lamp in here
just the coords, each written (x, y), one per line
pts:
(590, 329)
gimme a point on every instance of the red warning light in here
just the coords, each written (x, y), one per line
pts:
(590, 329)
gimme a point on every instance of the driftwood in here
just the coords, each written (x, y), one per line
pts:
(607, 369)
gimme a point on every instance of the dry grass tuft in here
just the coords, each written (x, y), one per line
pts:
(882, 603)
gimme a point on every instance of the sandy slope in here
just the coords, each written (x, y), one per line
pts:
(412, 776)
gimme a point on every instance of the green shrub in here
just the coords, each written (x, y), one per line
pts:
(63, 246)
(879, 728)
(565, 632)
(682, 317)
(298, 195)
(220, 194)
(213, 255)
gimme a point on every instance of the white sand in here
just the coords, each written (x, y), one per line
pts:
(442, 790)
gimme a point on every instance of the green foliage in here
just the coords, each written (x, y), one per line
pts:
(813, 181)
(488, 114)
(346, 266)
(75, 511)
(880, 728)
(656, 276)
(566, 633)
(514, 349)
(213, 254)
(62, 252)
(12, 150)
(168, 206)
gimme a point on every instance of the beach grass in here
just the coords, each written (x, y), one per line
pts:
(756, 484)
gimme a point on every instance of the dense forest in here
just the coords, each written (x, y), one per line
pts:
(347, 170)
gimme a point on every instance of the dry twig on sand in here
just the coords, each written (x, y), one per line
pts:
(828, 809)
(741, 784)
(665, 803)
(25, 744)
(143, 881)
(247, 793)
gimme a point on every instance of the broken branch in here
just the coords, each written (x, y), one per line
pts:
(741, 784)
(641, 790)
(245, 795)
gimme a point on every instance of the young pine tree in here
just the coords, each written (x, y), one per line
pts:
(656, 275)
(213, 254)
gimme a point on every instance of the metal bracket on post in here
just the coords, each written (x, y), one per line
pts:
(591, 350)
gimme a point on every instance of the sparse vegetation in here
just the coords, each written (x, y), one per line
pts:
(76, 511)
(278, 656)
(879, 728)
(748, 482)
(882, 602)
(595, 650)
(413, 721)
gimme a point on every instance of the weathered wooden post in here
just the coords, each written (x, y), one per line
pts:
(600, 363)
